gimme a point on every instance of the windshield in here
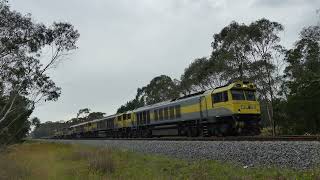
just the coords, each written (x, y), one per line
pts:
(250, 95)
(237, 94)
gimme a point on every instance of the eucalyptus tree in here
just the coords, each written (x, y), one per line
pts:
(160, 88)
(232, 46)
(202, 74)
(303, 83)
(251, 52)
(266, 57)
(24, 66)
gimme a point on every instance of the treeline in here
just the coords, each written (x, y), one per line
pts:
(48, 128)
(288, 80)
(24, 80)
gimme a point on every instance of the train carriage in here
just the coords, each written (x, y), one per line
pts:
(228, 110)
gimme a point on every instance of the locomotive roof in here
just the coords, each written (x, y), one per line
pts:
(181, 99)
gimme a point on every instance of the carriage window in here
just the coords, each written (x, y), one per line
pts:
(138, 118)
(178, 111)
(237, 94)
(148, 117)
(155, 114)
(129, 116)
(166, 113)
(144, 117)
(171, 112)
(124, 116)
(119, 118)
(250, 96)
(161, 114)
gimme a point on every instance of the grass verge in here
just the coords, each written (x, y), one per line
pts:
(38, 160)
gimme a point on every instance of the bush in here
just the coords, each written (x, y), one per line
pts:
(267, 131)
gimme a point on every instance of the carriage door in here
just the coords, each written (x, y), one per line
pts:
(203, 108)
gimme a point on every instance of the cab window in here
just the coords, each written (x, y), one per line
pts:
(237, 94)
(250, 96)
(220, 97)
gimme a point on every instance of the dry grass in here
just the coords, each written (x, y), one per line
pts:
(97, 159)
(59, 161)
(102, 161)
(11, 169)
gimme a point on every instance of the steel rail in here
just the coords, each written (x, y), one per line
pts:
(229, 138)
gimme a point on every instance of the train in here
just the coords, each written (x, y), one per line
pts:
(229, 110)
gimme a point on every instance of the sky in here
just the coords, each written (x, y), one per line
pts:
(123, 44)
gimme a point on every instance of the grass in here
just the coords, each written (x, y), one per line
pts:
(38, 160)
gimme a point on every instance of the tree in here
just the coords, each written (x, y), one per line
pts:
(160, 88)
(232, 46)
(83, 112)
(95, 115)
(202, 74)
(13, 128)
(265, 50)
(303, 82)
(22, 73)
(35, 122)
(251, 52)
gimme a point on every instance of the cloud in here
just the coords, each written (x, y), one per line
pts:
(283, 3)
(125, 43)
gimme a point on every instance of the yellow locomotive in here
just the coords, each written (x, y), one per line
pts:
(232, 109)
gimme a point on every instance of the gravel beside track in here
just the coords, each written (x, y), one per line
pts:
(286, 154)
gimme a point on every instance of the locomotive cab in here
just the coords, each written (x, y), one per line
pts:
(236, 108)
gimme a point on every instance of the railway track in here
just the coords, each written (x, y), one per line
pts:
(229, 138)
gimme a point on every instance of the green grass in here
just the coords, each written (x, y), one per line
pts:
(38, 160)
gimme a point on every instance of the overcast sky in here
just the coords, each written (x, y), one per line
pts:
(125, 43)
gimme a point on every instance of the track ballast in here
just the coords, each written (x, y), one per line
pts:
(229, 138)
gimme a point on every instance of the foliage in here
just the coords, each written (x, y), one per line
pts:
(83, 112)
(303, 82)
(95, 115)
(48, 128)
(131, 105)
(202, 74)
(160, 88)
(14, 128)
(23, 77)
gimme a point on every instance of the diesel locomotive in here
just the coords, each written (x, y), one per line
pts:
(228, 110)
